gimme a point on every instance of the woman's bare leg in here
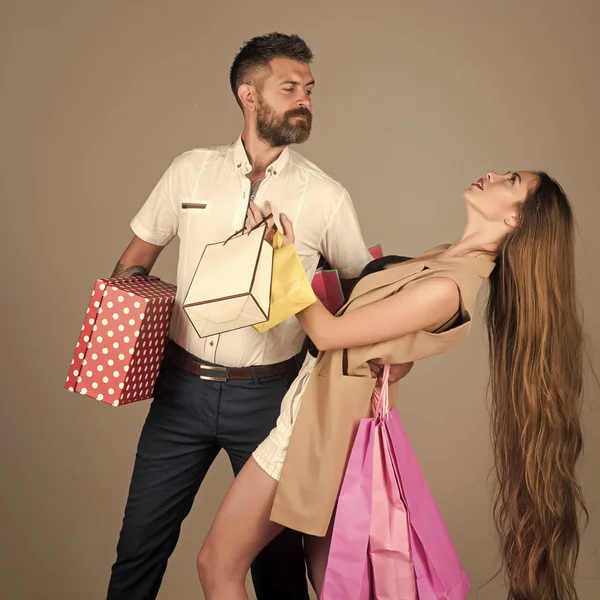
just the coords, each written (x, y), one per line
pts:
(317, 552)
(240, 531)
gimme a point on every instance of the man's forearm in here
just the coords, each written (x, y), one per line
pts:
(132, 271)
(137, 260)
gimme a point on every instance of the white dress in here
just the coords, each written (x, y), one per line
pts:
(270, 455)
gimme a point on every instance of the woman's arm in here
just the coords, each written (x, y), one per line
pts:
(424, 305)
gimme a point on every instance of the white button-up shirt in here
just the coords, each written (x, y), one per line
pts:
(320, 209)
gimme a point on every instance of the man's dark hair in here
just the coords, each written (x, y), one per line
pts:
(260, 51)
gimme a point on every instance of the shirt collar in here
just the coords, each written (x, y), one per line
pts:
(243, 166)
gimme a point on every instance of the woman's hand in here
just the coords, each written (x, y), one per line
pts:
(255, 216)
(397, 372)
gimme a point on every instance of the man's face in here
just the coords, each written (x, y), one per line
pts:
(284, 113)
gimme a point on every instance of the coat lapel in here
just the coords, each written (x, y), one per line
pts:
(394, 275)
(379, 280)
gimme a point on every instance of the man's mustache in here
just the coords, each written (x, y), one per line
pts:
(299, 112)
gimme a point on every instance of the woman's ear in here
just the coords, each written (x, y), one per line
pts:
(511, 221)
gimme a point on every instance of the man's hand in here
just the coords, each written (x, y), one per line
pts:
(397, 372)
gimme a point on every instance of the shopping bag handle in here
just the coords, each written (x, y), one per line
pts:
(265, 219)
(381, 404)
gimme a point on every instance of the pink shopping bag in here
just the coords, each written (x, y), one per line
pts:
(327, 287)
(376, 251)
(438, 569)
(347, 575)
(393, 542)
(393, 573)
(369, 556)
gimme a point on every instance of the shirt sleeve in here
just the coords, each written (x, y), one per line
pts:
(157, 222)
(342, 243)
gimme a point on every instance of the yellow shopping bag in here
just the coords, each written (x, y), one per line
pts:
(291, 291)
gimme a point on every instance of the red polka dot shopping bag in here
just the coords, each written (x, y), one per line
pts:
(122, 340)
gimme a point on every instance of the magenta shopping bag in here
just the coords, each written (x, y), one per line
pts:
(438, 569)
(376, 251)
(328, 289)
(347, 575)
(389, 540)
(369, 557)
(390, 555)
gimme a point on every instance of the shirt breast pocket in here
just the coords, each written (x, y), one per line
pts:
(193, 219)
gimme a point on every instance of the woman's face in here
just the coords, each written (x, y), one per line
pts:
(496, 197)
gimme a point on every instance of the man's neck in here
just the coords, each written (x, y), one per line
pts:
(260, 154)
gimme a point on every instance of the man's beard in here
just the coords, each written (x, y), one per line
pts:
(279, 130)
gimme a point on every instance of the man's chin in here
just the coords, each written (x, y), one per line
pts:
(301, 136)
(298, 135)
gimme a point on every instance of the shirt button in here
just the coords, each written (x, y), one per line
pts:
(212, 343)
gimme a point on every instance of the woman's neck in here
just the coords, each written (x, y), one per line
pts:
(478, 239)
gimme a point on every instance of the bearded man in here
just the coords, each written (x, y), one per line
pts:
(224, 392)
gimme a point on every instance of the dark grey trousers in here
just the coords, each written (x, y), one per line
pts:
(189, 422)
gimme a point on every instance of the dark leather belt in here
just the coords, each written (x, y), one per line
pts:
(176, 356)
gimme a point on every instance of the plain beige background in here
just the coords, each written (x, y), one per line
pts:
(414, 101)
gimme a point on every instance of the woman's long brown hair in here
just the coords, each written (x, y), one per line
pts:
(536, 356)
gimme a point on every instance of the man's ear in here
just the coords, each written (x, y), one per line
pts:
(248, 97)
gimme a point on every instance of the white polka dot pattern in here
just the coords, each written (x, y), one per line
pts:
(124, 351)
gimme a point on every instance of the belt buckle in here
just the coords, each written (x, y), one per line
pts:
(211, 373)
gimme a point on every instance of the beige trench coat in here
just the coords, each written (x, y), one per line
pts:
(338, 394)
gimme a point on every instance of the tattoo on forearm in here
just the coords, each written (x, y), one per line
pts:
(132, 271)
